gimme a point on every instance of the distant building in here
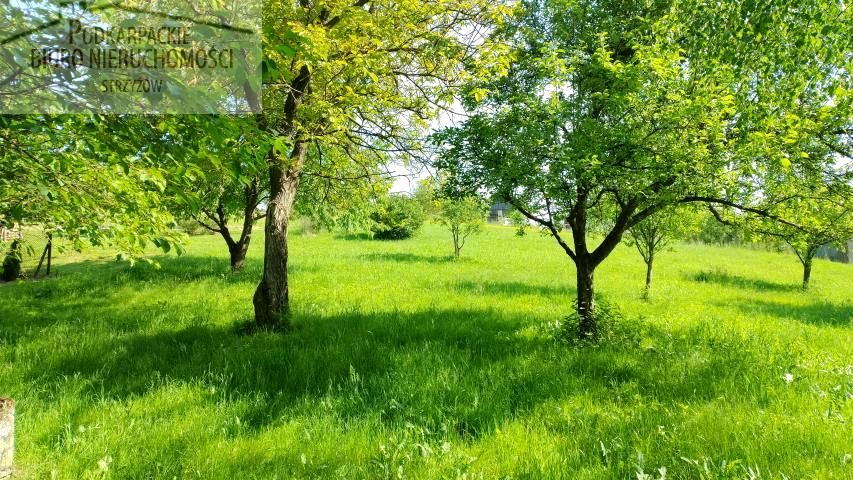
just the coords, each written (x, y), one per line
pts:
(499, 211)
(836, 254)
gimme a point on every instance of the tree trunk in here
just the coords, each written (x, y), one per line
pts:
(587, 325)
(271, 296)
(807, 272)
(649, 264)
(7, 437)
(456, 248)
(238, 251)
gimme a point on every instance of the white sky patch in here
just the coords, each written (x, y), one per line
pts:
(407, 177)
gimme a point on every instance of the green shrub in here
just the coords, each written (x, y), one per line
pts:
(305, 225)
(519, 221)
(396, 217)
(192, 228)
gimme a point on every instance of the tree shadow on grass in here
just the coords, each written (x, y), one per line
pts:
(735, 281)
(514, 289)
(92, 289)
(362, 236)
(462, 370)
(337, 356)
(819, 313)
(183, 268)
(84, 277)
(402, 257)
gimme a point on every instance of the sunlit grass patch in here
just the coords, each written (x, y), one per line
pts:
(406, 363)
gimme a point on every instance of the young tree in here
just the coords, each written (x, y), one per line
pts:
(631, 108)
(519, 221)
(464, 216)
(806, 246)
(654, 234)
(822, 217)
(223, 179)
(363, 76)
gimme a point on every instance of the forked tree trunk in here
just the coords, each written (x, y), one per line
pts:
(587, 326)
(806, 258)
(456, 248)
(271, 296)
(238, 251)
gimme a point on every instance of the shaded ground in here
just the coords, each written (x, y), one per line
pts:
(404, 362)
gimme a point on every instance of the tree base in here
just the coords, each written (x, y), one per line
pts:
(271, 312)
(7, 437)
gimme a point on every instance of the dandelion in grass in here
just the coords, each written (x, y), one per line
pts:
(104, 463)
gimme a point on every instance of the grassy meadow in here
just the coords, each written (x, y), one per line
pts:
(405, 363)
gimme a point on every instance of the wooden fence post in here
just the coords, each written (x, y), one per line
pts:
(49, 251)
(7, 437)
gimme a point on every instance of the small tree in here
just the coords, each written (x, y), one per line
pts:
(396, 217)
(656, 233)
(464, 217)
(518, 221)
(635, 107)
(822, 222)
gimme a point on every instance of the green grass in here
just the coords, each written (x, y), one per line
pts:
(406, 364)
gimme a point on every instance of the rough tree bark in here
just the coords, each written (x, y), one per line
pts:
(587, 325)
(807, 272)
(649, 264)
(7, 437)
(237, 252)
(271, 296)
(237, 249)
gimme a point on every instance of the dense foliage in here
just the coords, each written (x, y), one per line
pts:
(11, 268)
(396, 217)
(361, 77)
(60, 173)
(614, 111)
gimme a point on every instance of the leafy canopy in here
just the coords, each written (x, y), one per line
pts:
(615, 110)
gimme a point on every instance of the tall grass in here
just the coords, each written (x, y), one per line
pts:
(407, 364)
